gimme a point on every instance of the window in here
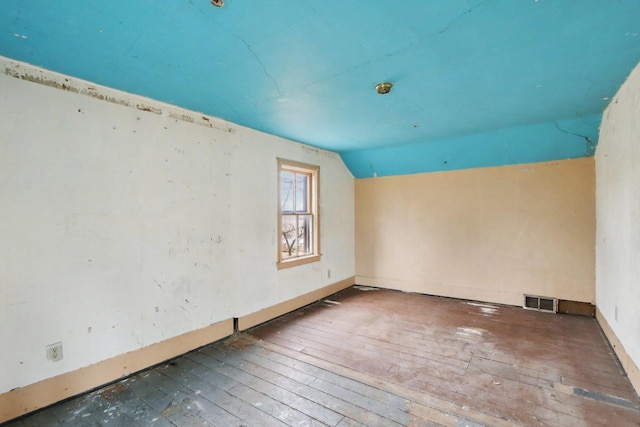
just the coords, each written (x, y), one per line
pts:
(298, 225)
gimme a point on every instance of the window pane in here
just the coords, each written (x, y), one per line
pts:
(289, 236)
(286, 191)
(302, 193)
(306, 231)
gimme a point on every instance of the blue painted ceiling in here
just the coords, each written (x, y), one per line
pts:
(476, 83)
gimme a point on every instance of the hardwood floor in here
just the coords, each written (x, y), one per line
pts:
(371, 357)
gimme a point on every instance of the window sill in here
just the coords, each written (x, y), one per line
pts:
(297, 261)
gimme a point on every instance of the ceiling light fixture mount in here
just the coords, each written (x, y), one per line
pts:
(217, 3)
(384, 87)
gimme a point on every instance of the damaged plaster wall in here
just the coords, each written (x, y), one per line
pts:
(489, 234)
(126, 222)
(618, 220)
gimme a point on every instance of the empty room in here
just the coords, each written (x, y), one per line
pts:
(296, 213)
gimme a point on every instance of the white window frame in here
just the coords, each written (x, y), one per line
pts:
(313, 171)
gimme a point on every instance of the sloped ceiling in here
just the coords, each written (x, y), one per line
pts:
(475, 83)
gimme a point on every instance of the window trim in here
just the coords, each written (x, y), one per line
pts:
(314, 170)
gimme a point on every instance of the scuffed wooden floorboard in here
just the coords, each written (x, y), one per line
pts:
(378, 358)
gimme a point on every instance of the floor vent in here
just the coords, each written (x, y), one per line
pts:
(534, 302)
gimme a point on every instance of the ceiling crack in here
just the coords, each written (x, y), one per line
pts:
(591, 147)
(454, 20)
(266, 72)
(361, 65)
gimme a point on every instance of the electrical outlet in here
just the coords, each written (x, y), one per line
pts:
(54, 352)
(329, 274)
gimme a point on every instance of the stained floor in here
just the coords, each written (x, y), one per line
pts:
(371, 357)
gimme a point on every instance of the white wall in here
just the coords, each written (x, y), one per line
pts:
(122, 227)
(618, 216)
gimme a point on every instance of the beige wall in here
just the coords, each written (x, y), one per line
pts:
(487, 234)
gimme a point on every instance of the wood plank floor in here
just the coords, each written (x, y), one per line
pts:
(372, 357)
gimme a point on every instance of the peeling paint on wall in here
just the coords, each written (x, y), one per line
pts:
(154, 110)
(23, 71)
